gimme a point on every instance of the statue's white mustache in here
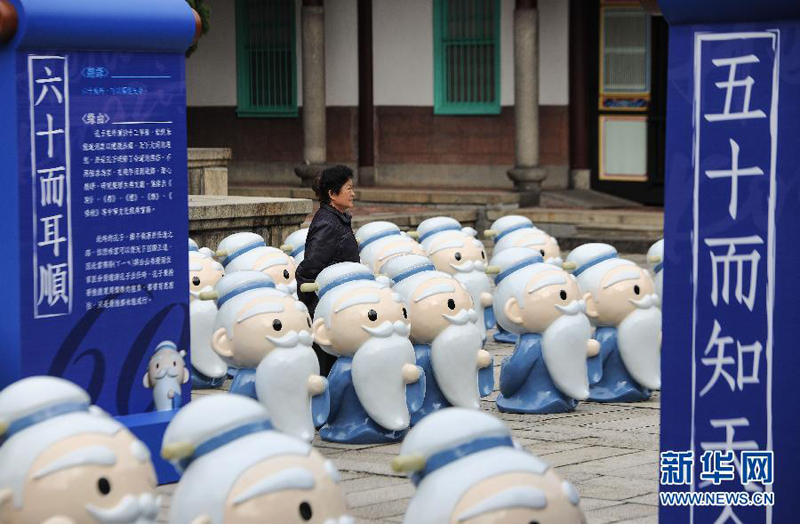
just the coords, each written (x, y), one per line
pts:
(573, 308)
(130, 510)
(646, 302)
(462, 317)
(469, 265)
(289, 288)
(387, 328)
(291, 339)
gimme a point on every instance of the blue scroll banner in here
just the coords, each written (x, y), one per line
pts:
(97, 206)
(731, 230)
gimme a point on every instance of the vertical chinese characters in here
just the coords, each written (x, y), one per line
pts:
(48, 78)
(735, 115)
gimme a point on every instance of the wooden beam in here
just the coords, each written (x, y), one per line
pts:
(366, 107)
(580, 52)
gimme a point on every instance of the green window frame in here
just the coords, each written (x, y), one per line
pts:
(266, 58)
(466, 50)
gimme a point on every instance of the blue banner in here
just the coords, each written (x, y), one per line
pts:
(733, 207)
(103, 218)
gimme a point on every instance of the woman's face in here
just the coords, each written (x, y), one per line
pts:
(344, 199)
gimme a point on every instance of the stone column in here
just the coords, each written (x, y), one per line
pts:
(526, 173)
(314, 139)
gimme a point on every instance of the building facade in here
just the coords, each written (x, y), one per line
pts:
(425, 92)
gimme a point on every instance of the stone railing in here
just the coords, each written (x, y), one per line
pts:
(212, 218)
(208, 170)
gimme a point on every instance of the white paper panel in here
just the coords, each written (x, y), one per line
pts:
(624, 147)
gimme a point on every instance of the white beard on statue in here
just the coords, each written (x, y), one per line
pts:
(201, 321)
(290, 288)
(564, 350)
(473, 276)
(166, 381)
(639, 342)
(282, 384)
(377, 372)
(454, 358)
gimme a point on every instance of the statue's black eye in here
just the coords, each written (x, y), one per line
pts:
(276, 325)
(372, 315)
(451, 303)
(483, 255)
(174, 363)
(457, 255)
(305, 511)
(196, 281)
(286, 273)
(103, 486)
(541, 251)
(636, 289)
(157, 365)
(308, 320)
(405, 313)
(563, 295)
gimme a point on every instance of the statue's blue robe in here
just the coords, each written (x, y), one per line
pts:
(489, 319)
(504, 336)
(525, 383)
(434, 398)
(609, 380)
(244, 383)
(201, 381)
(348, 421)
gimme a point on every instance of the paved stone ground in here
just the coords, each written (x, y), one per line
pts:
(609, 451)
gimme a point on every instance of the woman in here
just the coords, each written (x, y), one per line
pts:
(330, 238)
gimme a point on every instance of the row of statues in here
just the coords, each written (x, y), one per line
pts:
(65, 461)
(408, 324)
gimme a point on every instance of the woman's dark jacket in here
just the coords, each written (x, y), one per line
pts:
(330, 240)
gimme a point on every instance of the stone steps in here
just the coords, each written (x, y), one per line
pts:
(391, 195)
(584, 199)
(603, 218)
(621, 218)
(629, 230)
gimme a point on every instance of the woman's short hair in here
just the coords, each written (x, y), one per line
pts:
(331, 179)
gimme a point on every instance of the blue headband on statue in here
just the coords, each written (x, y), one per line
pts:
(413, 271)
(258, 284)
(658, 267)
(224, 438)
(166, 345)
(230, 258)
(443, 458)
(511, 230)
(594, 262)
(516, 267)
(451, 227)
(344, 280)
(43, 414)
(298, 250)
(193, 248)
(384, 234)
